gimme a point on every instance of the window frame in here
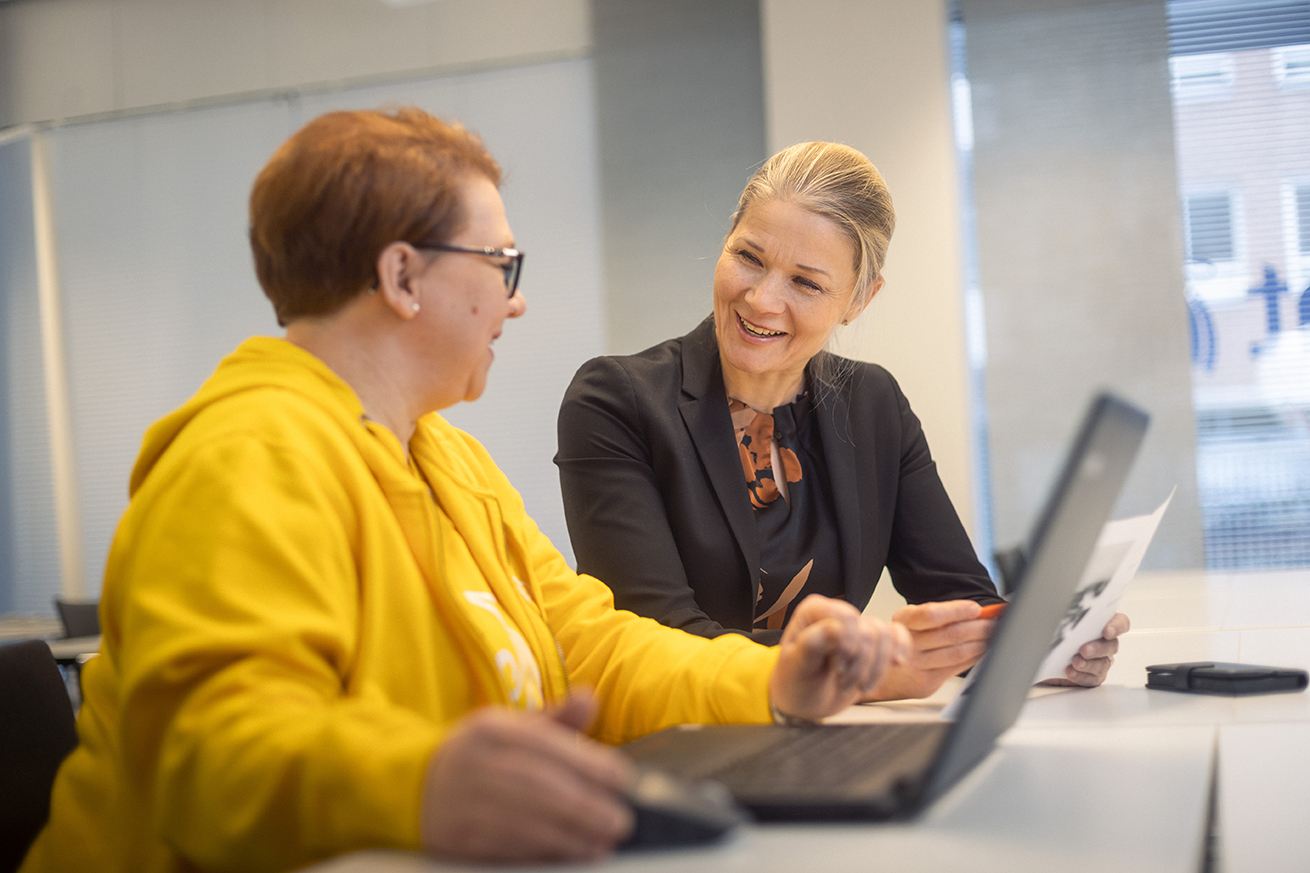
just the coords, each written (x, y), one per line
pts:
(1214, 280)
(1188, 86)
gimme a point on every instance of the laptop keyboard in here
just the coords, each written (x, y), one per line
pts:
(824, 757)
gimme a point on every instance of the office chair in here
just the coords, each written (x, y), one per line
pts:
(81, 618)
(36, 734)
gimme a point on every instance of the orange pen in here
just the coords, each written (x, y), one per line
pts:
(993, 610)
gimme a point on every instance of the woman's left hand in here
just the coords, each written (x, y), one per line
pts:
(1092, 662)
(831, 656)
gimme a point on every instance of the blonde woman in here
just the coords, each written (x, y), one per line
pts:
(716, 479)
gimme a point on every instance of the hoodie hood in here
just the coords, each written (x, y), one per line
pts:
(454, 477)
(260, 362)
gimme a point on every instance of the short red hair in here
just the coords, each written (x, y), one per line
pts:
(345, 186)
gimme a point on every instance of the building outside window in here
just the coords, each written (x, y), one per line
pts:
(1203, 77)
(1291, 66)
(1302, 218)
(1241, 87)
(1209, 227)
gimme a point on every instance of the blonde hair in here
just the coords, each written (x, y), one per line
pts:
(840, 184)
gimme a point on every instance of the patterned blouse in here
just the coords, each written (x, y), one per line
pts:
(797, 526)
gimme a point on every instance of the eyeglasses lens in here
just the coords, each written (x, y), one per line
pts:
(512, 269)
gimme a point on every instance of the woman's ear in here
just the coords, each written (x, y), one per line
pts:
(858, 308)
(398, 265)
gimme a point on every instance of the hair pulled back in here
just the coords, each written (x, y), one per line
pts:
(840, 184)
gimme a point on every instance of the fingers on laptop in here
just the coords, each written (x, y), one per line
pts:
(889, 645)
(831, 656)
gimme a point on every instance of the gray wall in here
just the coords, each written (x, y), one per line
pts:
(1080, 252)
(680, 114)
(149, 206)
(62, 59)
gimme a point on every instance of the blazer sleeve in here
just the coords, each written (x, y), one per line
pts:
(614, 501)
(930, 557)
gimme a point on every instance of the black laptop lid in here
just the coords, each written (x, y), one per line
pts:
(1057, 553)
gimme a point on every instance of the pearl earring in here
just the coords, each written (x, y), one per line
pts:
(416, 307)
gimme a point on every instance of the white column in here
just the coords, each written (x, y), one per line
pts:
(875, 74)
(67, 515)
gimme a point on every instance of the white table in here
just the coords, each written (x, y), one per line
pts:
(1263, 741)
(1029, 806)
(1130, 766)
(74, 650)
(1264, 797)
(1112, 778)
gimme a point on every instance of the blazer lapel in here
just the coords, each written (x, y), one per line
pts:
(839, 451)
(704, 410)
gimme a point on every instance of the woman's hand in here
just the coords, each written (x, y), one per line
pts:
(832, 656)
(525, 787)
(946, 638)
(1092, 661)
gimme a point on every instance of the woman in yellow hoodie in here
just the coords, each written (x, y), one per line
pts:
(328, 622)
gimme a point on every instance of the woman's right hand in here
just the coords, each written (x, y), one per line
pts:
(946, 638)
(525, 787)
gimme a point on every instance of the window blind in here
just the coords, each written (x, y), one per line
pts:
(1201, 26)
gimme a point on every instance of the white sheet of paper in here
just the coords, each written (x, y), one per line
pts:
(1114, 562)
(1113, 565)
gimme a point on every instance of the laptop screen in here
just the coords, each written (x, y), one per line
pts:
(1057, 552)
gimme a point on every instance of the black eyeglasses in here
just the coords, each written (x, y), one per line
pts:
(512, 267)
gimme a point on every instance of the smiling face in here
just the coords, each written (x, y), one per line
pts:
(463, 301)
(785, 279)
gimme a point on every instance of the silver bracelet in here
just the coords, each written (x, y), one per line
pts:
(785, 720)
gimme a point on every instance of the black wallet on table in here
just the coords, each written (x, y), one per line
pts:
(1212, 677)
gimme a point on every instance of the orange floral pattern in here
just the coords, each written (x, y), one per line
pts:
(754, 431)
(799, 550)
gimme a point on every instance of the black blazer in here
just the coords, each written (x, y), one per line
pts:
(657, 505)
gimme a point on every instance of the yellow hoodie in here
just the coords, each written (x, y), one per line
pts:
(294, 615)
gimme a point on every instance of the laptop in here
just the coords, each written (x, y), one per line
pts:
(885, 771)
